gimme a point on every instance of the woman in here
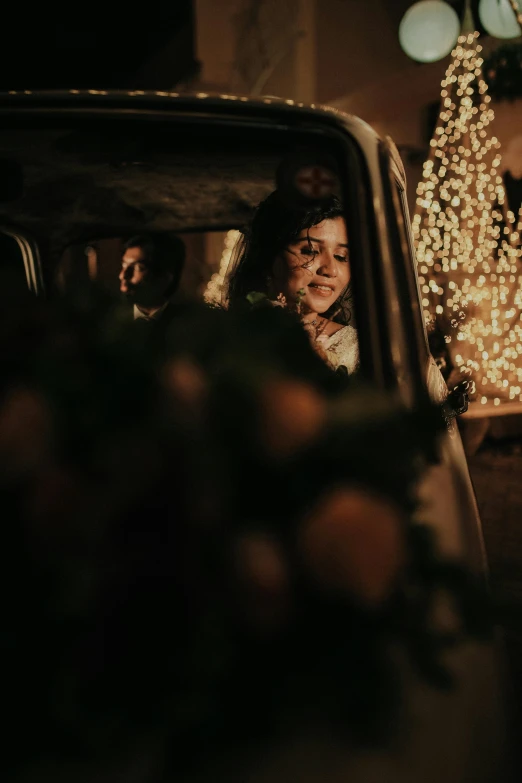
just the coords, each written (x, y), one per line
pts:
(299, 258)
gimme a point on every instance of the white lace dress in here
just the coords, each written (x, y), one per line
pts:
(341, 348)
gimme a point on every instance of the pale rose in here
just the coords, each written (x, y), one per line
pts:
(292, 416)
(353, 542)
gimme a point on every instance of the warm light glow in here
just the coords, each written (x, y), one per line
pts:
(515, 5)
(468, 246)
(428, 30)
(499, 19)
(214, 291)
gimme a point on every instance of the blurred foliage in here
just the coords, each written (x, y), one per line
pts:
(213, 544)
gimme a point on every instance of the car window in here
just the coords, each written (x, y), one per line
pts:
(91, 185)
(99, 260)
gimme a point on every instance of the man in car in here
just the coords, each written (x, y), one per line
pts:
(151, 268)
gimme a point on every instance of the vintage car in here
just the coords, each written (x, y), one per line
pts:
(82, 170)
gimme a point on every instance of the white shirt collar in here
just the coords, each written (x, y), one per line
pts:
(137, 313)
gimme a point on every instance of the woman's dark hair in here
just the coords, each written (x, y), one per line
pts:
(275, 225)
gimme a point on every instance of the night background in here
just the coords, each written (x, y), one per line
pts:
(97, 46)
(169, 441)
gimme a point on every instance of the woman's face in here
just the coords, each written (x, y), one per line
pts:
(317, 263)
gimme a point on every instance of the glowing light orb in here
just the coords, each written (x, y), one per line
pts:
(429, 30)
(498, 18)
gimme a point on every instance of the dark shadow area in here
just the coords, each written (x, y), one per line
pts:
(98, 46)
(496, 470)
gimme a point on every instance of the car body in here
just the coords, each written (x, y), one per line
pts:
(448, 740)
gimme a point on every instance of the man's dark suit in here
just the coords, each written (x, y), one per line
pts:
(152, 333)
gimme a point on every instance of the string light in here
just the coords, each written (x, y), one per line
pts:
(214, 291)
(467, 241)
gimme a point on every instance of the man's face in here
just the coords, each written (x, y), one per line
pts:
(138, 282)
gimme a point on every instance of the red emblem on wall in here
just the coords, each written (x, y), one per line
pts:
(315, 181)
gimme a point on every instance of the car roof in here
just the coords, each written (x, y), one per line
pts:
(169, 198)
(269, 106)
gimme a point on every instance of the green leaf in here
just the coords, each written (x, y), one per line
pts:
(255, 297)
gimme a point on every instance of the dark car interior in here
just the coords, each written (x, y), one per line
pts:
(75, 191)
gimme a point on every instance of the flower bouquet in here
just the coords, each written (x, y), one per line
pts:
(208, 550)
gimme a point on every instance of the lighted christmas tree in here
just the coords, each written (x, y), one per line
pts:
(467, 240)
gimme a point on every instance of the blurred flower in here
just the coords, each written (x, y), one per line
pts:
(185, 384)
(261, 562)
(292, 415)
(264, 578)
(185, 380)
(353, 542)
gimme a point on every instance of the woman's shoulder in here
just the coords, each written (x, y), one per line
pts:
(342, 347)
(344, 334)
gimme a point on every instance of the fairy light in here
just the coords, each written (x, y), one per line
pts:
(214, 290)
(467, 243)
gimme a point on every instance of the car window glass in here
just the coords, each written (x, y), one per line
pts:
(90, 186)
